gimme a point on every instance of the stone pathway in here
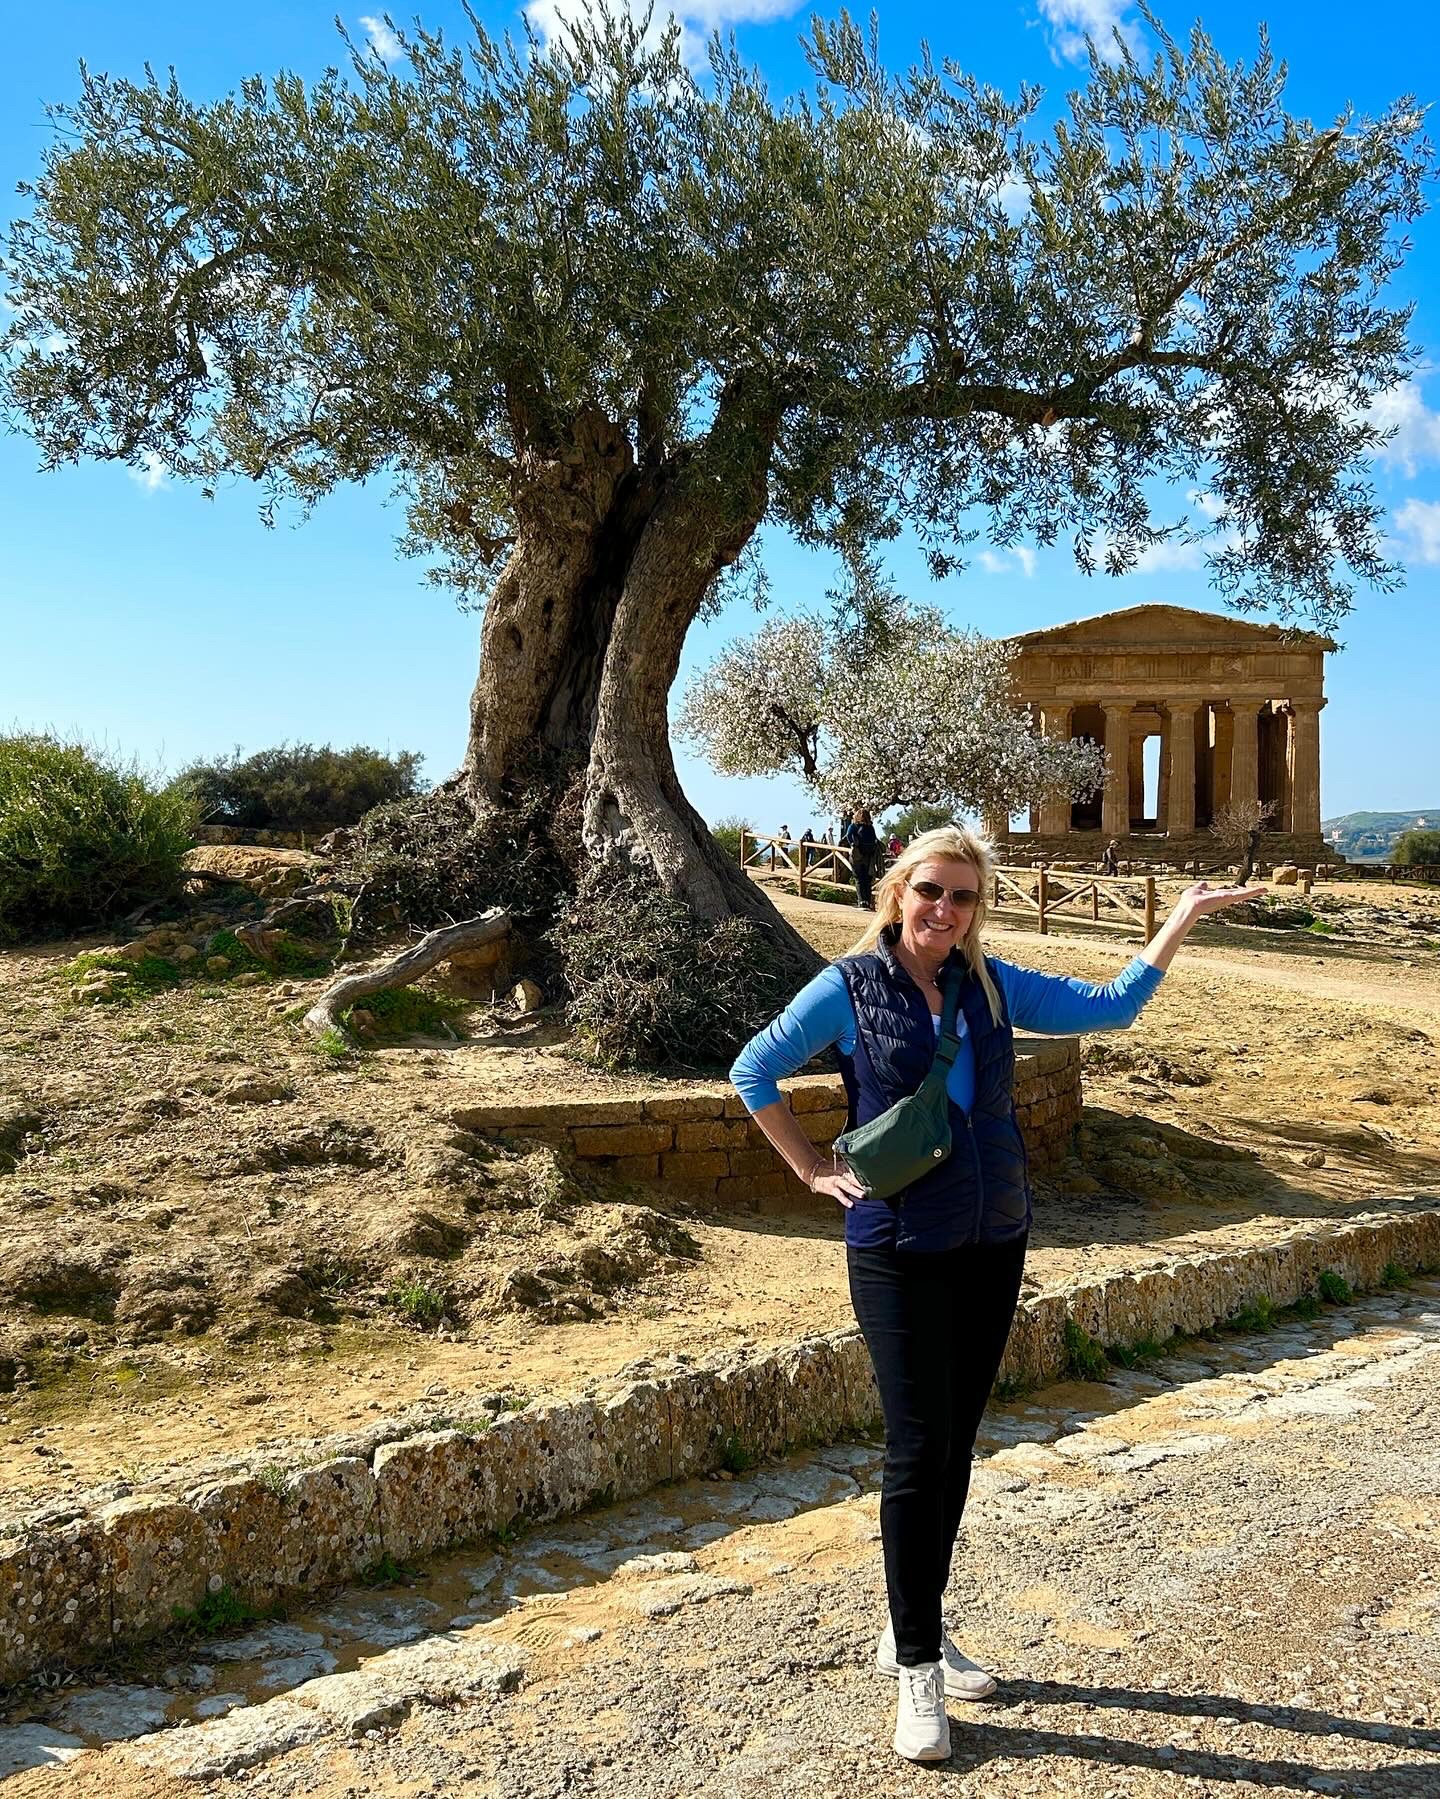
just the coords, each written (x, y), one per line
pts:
(1216, 1574)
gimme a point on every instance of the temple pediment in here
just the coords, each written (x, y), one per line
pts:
(1174, 627)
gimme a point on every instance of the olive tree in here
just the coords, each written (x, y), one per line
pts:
(598, 317)
(910, 713)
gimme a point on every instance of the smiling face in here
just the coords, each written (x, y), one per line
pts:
(930, 928)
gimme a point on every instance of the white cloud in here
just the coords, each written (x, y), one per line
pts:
(151, 473)
(1073, 22)
(698, 18)
(383, 40)
(1402, 409)
(1419, 525)
(998, 562)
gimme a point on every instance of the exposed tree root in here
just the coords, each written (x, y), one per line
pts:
(408, 966)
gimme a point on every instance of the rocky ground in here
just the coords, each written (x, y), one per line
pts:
(1213, 1576)
(215, 1230)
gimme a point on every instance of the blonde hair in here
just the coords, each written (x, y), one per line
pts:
(951, 843)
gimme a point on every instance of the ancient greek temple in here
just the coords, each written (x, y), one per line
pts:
(1235, 706)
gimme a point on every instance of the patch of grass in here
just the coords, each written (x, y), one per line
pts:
(1013, 1386)
(417, 1300)
(736, 1456)
(274, 1479)
(1307, 1306)
(149, 975)
(1321, 928)
(1085, 1357)
(1335, 1290)
(1136, 1354)
(220, 1611)
(331, 1045)
(467, 1427)
(409, 1011)
(1260, 1314)
(386, 1572)
(1393, 1275)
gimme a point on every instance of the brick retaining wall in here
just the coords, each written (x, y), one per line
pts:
(703, 1146)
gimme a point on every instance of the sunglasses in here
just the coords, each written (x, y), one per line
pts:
(932, 891)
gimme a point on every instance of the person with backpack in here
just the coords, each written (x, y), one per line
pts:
(922, 1021)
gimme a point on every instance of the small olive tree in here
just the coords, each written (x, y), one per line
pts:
(1238, 826)
(914, 713)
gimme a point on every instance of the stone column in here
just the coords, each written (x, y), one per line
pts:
(1180, 821)
(996, 824)
(1245, 752)
(1220, 758)
(1136, 778)
(1305, 767)
(1053, 819)
(1162, 782)
(1115, 809)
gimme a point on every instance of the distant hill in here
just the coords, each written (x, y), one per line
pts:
(1370, 836)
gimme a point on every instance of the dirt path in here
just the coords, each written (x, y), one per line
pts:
(1215, 1577)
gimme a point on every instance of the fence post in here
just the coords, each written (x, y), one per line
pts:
(1095, 901)
(1044, 895)
(804, 858)
(743, 835)
(1149, 907)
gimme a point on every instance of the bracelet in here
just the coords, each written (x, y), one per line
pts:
(809, 1175)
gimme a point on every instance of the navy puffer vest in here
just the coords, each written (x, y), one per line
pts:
(981, 1193)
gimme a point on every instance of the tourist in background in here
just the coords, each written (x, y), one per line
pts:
(935, 1269)
(863, 847)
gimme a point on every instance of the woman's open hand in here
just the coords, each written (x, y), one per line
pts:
(1201, 898)
(839, 1183)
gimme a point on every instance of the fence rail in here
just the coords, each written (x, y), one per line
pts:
(1043, 891)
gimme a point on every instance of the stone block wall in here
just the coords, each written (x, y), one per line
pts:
(702, 1145)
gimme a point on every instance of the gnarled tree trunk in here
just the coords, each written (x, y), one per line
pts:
(581, 645)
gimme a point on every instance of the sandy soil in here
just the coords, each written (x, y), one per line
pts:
(211, 1230)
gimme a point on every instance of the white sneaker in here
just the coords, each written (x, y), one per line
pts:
(964, 1679)
(922, 1731)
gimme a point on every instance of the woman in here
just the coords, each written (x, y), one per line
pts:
(935, 1272)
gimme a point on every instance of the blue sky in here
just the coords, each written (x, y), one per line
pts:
(137, 614)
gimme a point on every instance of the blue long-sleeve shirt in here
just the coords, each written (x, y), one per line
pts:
(821, 1015)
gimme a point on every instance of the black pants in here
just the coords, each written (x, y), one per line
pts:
(935, 1326)
(864, 882)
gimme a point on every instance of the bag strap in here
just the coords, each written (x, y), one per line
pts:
(948, 1047)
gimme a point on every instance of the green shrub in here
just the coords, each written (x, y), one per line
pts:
(417, 1300)
(1259, 1315)
(298, 787)
(736, 1456)
(726, 832)
(653, 986)
(1335, 1289)
(84, 838)
(1393, 1275)
(1085, 1357)
(1414, 847)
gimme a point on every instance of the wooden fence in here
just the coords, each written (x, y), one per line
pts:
(1048, 893)
(812, 864)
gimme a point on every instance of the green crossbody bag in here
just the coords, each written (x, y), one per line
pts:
(910, 1137)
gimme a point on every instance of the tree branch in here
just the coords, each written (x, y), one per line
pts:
(408, 966)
